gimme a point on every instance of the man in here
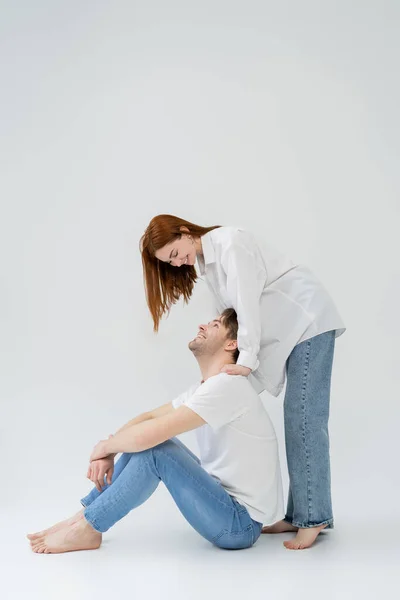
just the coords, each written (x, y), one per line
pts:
(226, 495)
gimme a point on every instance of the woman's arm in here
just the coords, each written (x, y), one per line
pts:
(246, 279)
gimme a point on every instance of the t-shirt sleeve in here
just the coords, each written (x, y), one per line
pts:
(179, 400)
(218, 401)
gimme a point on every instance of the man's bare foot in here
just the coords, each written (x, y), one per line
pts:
(57, 526)
(305, 538)
(279, 527)
(77, 536)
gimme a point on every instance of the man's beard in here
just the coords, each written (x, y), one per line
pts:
(196, 348)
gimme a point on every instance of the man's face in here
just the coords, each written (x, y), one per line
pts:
(211, 338)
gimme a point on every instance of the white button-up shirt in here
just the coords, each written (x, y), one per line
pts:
(278, 303)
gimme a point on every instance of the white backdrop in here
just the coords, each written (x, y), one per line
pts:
(279, 117)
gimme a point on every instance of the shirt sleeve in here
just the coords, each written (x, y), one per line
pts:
(181, 399)
(246, 278)
(218, 401)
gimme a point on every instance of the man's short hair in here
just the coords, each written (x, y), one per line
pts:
(229, 321)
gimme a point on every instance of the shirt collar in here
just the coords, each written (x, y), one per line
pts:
(208, 252)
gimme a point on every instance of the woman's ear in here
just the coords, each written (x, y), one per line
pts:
(184, 229)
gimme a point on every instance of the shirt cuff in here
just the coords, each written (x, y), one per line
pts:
(246, 359)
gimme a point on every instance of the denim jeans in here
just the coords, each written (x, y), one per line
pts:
(306, 414)
(202, 500)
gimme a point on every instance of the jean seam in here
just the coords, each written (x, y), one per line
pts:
(304, 395)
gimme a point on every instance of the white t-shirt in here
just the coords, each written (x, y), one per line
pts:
(238, 445)
(279, 303)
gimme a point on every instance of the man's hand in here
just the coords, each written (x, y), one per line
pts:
(98, 469)
(236, 370)
(101, 450)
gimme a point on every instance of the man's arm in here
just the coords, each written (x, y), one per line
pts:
(152, 414)
(154, 430)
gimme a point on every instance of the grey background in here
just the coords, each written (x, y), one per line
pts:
(278, 117)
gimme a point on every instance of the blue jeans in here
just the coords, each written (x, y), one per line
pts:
(202, 500)
(306, 415)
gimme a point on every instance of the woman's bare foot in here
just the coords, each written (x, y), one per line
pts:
(305, 538)
(77, 536)
(57, 526)
(279, 527)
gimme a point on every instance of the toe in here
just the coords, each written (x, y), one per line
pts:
(293, 545)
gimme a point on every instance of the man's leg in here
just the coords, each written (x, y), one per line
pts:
(119, 466)
(94, 494)
(202, 500)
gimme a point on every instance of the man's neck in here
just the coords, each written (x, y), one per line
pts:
(211, 366)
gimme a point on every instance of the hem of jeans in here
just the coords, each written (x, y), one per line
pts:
(310, 525)
(91, 522)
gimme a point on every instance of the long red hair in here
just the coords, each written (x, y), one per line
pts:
(165, 284)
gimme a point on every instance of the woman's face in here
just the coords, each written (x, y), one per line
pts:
(180, 252)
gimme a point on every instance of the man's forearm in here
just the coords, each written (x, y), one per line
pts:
(139, 419)
(137, 437)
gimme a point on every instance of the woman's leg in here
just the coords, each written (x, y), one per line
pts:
(306, 413)
(205, 504)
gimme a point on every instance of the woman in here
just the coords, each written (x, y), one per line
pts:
(287, 329)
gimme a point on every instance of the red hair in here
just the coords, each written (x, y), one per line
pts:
(165, 284)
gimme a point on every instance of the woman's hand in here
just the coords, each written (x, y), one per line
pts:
(236, 370)
(98, 469)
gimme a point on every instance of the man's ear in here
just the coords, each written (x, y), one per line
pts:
(231, 345)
